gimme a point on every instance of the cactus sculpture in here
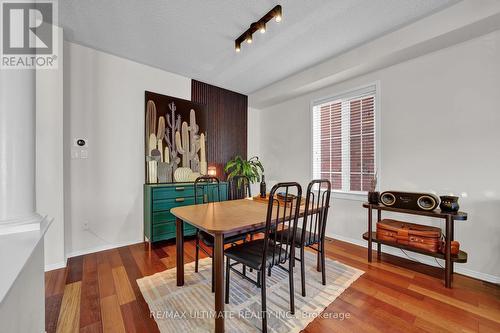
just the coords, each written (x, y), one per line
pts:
(160, 136)
(195, 141)
(189, 145)
(150, 120)
(173, 125)
(203, 157)
(185, 142)
(152, 160)
(169, 172)
(180, 138)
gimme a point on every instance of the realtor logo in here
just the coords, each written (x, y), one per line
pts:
(28, 34)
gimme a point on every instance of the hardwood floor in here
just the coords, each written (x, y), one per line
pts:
(98, 293)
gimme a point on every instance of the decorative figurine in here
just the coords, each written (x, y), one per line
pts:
(449, 203)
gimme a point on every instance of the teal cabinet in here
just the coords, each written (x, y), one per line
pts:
(159, 199)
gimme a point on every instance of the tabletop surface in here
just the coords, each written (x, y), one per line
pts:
(225, 216)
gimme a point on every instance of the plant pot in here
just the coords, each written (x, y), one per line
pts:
(449, 203)
(373, 197)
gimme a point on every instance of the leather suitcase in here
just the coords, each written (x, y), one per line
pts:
(455, 247)
(416, 235)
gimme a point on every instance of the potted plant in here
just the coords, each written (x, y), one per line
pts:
(251, 168)
(373, 195)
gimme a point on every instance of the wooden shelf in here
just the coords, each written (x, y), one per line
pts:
(460, 258)
(458, 216)
(449, 219)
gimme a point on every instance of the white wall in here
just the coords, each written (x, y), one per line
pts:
(104, 103)
(439, 131)
(49, 157)
(253, 141)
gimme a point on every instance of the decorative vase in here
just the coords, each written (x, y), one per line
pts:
(449, 203)
(373, 197)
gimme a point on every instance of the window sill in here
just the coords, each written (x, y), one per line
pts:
(350, 195)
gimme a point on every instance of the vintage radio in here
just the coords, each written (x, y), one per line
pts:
(409, 200)
(415, 235)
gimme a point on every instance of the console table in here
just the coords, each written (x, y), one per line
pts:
(159, 199)
(449, 218)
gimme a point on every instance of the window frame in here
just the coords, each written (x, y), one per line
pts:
(341, 194)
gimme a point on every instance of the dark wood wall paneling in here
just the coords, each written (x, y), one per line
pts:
(227, 123)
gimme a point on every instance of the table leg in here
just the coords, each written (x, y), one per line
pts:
(452, 238)
(448, 268)
(379, 246)
(179, 242)
(370, 234)
(219, 282)
(318, 260)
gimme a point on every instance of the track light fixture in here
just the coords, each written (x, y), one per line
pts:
(260, 25)
(277, 13)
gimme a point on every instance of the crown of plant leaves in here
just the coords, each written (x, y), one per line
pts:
(251, 168)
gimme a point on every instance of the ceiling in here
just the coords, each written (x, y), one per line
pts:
(195, 38)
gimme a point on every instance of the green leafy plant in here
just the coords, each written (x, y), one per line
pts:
(252, 168)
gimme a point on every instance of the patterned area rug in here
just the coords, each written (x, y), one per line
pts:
(190, 308)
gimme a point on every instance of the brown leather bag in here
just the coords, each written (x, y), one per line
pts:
(415, 235)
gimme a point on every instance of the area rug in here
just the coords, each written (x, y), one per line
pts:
(191, 308)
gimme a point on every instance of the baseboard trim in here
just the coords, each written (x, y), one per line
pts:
(57, 265)
(101, 248)
(396, 252)
(386, 249)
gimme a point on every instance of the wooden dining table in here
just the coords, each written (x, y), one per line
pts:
(219, 219)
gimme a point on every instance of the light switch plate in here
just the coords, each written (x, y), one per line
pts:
(75, 154)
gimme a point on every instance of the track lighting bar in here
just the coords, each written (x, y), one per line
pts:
(260, 25)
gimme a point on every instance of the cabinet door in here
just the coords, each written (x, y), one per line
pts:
(213, 194)
(167, 230)
(189, 230)
(159, 223)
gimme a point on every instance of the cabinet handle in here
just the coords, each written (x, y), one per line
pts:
(179, 188)
(179, 199)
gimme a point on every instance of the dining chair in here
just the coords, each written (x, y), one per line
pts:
(207, 189)
(282, 214)
(239, 188)
(312, 232)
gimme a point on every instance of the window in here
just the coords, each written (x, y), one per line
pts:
(344, 145)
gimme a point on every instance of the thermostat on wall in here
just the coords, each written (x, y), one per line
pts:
(81, 142)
